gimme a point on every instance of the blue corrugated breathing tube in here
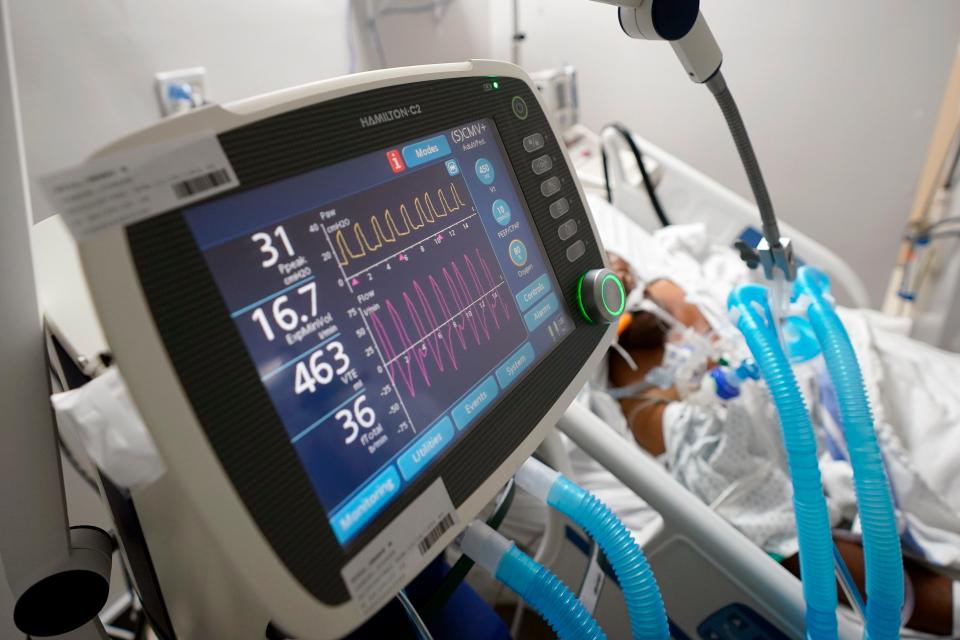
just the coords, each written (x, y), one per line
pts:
(881, 540)
(753, 318)
(648, 617)
(541, 590)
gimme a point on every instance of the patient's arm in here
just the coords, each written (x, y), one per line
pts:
(643, 340)
(933, 593)
(644, 413)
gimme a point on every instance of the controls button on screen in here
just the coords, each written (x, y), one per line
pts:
(533, 292)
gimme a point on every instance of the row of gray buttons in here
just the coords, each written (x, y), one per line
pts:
(549, 187)
(533, 142)
(541, 165)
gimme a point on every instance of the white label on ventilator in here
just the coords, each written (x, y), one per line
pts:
(128, 186)
(395, 557)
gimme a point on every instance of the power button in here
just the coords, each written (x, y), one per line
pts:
(519, 107)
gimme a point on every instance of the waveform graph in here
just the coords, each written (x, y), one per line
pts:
(387, 222)
(446, 329)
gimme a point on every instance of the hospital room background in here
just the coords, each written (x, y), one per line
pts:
(846, 103)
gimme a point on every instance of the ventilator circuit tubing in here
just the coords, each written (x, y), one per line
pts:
(881, 541)
(751, 311)
(538, 587)
(648, 618)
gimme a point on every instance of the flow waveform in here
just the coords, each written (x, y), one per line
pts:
(388, 228)
(435, 322)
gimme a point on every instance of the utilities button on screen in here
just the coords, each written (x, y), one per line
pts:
(550, 186)
(541, 165)
(576, 250)
(559, 208)
(567, 229)
(519, 107)
(533, 142)
(485, 172)
(426, 448)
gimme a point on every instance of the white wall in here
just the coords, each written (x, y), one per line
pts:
(839, 97)
(86, 68)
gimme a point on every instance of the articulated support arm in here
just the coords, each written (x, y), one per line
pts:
(681, 24)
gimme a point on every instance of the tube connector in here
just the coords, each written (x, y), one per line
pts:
(484, 545)
(536, 478)
(778, 258)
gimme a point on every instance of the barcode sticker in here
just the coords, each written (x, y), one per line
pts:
(402, 549)
(127, 186)
(206, 182)
(429, 540)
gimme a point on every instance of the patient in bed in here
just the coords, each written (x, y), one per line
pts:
(728, 453)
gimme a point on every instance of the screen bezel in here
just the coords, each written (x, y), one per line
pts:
(197, 331)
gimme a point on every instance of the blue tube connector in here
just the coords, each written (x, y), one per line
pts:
(752, 315)
(648, 617)
(544, 592)
(881, 539)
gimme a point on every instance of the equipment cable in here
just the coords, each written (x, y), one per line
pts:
(458, 572)
(638, 156)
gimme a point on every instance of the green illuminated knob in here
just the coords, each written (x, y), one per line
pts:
(601, 296)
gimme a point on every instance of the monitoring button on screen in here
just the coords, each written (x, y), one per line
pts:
(368, 502)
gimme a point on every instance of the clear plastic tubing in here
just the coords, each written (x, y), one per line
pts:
(533, 582)
(751, 311)
(648, 617)
(881, 540)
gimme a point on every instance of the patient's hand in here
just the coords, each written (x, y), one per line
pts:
(673, 300)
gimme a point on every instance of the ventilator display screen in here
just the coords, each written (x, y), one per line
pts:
(387, 302)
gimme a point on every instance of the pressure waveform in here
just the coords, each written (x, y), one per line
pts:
(433, 323)
(387, 229)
